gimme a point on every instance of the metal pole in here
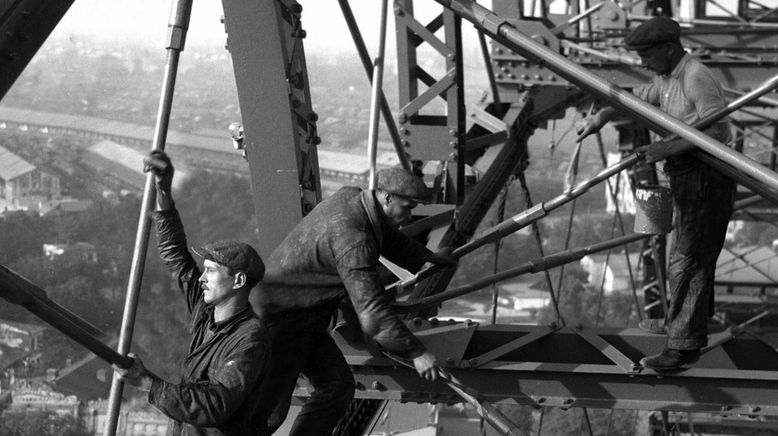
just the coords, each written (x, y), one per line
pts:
(490, 74)
(503, 31)
(18, 290)
(533, 266)
(386, 111)
(177, 27)
(378, 79)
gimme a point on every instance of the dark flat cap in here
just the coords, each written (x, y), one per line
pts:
(401, 182)
(237, 256)
(657, 30)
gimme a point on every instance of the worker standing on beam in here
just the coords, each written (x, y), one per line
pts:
(702, 197)
(230, 347)
(333, 253)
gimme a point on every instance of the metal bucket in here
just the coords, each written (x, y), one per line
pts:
(653, 210)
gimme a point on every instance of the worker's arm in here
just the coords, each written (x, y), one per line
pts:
(205, 403)
(171, 239)
(411, 255)
(357, 268)
(594, 122)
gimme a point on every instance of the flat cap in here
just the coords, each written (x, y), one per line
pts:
(235, 255)
(401, 182)
(657, 30)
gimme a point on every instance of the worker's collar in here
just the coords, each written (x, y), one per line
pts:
(372, 208)
(676, 72)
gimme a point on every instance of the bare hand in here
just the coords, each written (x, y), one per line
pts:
(427, 366)
(158, 163)
(586, 127)
(137, 375)
(651, 153)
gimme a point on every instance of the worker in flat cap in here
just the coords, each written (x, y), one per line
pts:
(702, 197)
(230, 347)
(330, 256)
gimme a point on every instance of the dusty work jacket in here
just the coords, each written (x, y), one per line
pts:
(226, 362)
(333, 253)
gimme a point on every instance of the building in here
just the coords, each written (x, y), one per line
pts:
(123, 165)
(612, 272)
(81, 250)
(22, 184)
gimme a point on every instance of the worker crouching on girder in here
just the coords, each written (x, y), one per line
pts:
(702, 197)
(333, 253)
(230, 346)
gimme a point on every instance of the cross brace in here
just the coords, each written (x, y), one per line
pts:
(573, 367)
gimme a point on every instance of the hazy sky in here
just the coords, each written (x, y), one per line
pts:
(146, 21)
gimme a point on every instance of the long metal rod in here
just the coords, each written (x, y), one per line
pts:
(490, 74)
(386, 111)
(503, 31)
(177, 28)
(18, 290)
(533, 266)
(378, 83)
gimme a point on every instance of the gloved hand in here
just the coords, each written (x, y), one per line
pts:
(159, 164)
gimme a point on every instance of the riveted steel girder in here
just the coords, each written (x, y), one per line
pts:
(24, 26)
(575, 367)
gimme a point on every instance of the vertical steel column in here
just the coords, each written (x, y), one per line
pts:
(265, 40)
(375, 96)
(177, 28)
(423, 127)
(359, 44)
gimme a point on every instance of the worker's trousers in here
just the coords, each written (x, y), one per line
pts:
(702, 205)
(302, 345)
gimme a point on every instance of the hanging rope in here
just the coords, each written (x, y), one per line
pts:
(539, 242)
(614, 197)
(501, 200)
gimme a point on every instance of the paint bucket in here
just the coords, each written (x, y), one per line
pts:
(653, 210)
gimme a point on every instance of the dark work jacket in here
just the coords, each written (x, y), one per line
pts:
(218, 390)
(333, 253)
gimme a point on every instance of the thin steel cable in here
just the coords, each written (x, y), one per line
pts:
(539, 242)
(614, 197)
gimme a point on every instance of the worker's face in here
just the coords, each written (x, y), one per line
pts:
(657, 59)
(398, 209)
(217, 283)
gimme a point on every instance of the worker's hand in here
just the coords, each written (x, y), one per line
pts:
(137, 375)
(653, 152)
(427, 366)
(587, 126)
(444, 257)
(159, 164)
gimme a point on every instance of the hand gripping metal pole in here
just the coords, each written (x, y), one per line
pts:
(177, 28)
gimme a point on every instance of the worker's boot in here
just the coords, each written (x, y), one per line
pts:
(670, 359)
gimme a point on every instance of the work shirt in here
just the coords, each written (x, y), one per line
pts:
(333, 253)
(689, 93)
(217, 394)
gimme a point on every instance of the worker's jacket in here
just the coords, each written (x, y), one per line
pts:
(226, 362)
(333, 253)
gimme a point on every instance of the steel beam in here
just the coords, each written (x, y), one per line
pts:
(24, 26)
(504, 32)
(562, 367)
(265, 39)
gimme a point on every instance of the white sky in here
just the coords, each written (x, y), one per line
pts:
(146, 21)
